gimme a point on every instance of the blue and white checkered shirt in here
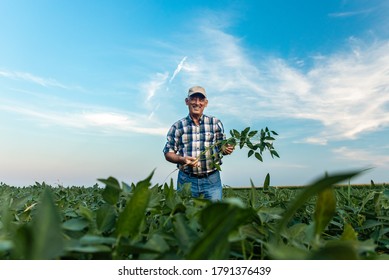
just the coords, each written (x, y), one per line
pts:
(188, 139)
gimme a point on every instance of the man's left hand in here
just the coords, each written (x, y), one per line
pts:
(228, 149)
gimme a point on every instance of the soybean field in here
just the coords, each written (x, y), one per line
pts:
(116, 220)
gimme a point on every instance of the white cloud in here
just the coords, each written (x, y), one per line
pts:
(346, 92)
(101, 121)
(371, 159)
(28, 77)
(123, 122)
(155, 84)
(352, 13)
(316, 140)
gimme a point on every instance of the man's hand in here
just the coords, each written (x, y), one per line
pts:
(191, 161)
(185, 161)
(227, 149)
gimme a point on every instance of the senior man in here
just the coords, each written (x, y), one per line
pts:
(193, 144)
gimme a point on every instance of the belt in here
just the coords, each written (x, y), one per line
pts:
(202, 175)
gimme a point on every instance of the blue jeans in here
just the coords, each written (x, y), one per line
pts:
(210, 186)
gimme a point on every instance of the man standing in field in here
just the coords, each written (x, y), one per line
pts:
(192, 143)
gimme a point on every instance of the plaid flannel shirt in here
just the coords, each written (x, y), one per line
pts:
(188, 139)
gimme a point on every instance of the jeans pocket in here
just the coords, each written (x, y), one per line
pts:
(214, 179)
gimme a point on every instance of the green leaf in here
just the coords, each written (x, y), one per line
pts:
(96, 239)
(249, 144)
(242, 141)
(266, 183)
(269, 138)
(130, 220)
(235, 133)
(252, 194)
(77, 224)
(349, 233)
(245, 131)
(90, 249)
(47, 241)
(170, 197)
(106, 218)
(325, 209)
(253, 133)
(218, 220)
(274, 153)
(336, 250)
(311, 190)
(251, 152)
(112, 190)
(258, 156)
(157, 244)
(185, 235)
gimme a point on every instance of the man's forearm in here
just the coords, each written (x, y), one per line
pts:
(174, 158)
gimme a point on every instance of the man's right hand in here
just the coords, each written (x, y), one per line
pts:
(191, 161)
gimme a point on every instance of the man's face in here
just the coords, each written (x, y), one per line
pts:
(196, 104)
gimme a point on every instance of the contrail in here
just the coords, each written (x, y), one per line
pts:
(178, 69)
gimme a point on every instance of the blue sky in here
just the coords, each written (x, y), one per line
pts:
(88, 89)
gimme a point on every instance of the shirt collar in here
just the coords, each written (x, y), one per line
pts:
(191, 121)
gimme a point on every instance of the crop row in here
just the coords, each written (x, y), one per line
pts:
(140, 221)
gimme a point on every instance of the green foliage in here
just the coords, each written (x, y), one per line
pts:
(255, 141)
(141, 221)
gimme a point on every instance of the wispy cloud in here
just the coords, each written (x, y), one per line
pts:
(28, 77)
(346, 92)
(124, 122)
(38, 107)
(351, 13)
(155, 84)
(366, 156)
(97, 121)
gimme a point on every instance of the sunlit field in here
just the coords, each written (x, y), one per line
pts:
(114, 220)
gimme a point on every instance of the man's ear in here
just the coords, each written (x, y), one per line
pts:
(187, 101)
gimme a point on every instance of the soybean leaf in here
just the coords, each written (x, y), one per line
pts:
(105, 218)
(47, 241)
(170, 197)
(258, 156)
(98, 248)
(253, 195)
(218, 220)
(253, 133)
(266, 183)
(235, 133)
(274, 153)
(112, 190)
(130, 220)
(245, 131)
(184, 234)
(77, 224)
(156, 243)
(349, 233)
(249, 144)
(325, 209)
(336, 250)
(311, 190)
